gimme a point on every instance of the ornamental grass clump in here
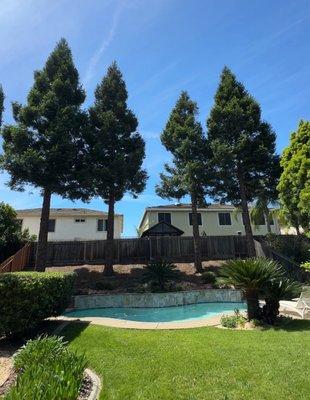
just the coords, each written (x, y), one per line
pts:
(159, 273)
(47, 370)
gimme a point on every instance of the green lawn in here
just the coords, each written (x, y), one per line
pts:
(198, 364)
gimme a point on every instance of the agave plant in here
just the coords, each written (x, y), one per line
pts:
(252, 277)
(276, 290)
(160, 272)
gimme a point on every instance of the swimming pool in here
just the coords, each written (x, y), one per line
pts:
(160, 314)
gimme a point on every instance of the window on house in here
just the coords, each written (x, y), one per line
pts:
(102, 225)
(79, 220)
(164, 217)
(191, 218)
(51, 225)
(224, 219)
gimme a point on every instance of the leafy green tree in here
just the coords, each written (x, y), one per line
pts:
(242, 146)
(267, 193)
(115, 150)
(184, 138)
(44, 146)
(252, 276)
(12, 237)
(1, 104)
(294, 185)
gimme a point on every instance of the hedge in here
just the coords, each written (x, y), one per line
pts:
(26, 298)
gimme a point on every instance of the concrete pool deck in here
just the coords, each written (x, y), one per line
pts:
(126, 324)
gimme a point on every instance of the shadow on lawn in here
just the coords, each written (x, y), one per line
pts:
(73, 330)
(294, 325)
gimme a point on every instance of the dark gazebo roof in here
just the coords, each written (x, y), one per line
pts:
(162, 229)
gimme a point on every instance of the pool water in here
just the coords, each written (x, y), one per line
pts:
(160, 314)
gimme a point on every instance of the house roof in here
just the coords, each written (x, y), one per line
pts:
(188, 206)
(162, 228)
(64, 212)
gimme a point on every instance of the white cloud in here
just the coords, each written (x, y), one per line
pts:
(104, 45)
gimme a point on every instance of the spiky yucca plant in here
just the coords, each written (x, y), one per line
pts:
(159, 272)
(276, 290)
(251, 276)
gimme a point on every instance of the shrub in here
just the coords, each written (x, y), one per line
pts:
(26, 298)
(101, 285)
(208, 277)
(251, 276)
(232, 321)
(159, 273)
(305, 266)
(47, 370)
(297, 248)
(12, 237)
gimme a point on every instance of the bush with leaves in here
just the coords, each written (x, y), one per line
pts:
(47, 370)
(208, 277)
(251, 276)
(26, 298)
(233, 321)
(276, 290)
(297, 248)
(12, 237)
(159, 273)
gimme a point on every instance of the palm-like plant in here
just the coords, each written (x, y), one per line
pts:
(160, 272)
(276, 290)
(251, 276)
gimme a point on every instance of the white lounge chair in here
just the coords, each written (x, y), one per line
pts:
(301, 306)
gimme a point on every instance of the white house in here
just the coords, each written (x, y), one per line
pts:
(71, 223)
(213, 220)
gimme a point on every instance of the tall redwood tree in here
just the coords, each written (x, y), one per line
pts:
(44, 146)
(242, 146)
(115, 149)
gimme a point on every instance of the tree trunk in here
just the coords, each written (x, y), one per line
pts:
(108, 269)
(267, 215)
(253, 309)
(297, 230)
(196, 237)
(271, 310)
(43, 233)
(246, 216)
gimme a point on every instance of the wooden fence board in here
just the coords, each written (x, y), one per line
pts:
(141, 250)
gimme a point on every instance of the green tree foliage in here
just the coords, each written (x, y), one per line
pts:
(12, 237)
(44, 145)
(242, 146)
(267, 193)
(115, 149)
(184, 138)
(294, 185)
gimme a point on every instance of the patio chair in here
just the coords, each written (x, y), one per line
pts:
(301, 305)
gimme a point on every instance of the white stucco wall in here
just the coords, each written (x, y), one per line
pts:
(210, 223)
(67, 229)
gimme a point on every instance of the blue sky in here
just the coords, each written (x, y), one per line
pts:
(162, 47)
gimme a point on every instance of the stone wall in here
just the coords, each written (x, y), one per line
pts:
(156, 299)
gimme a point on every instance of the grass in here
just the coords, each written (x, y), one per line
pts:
(197, 364)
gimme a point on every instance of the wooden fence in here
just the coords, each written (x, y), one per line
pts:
(19, 260)
(292, 269)
(141, 250)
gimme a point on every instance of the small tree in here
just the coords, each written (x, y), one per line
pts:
(242, 146)
(252, 276)
(115, 150)
(43, 148)
(294, 185)
(183, 137)
(267, 193)
(12, 237)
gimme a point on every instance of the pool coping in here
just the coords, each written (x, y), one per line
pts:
(126, 324)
